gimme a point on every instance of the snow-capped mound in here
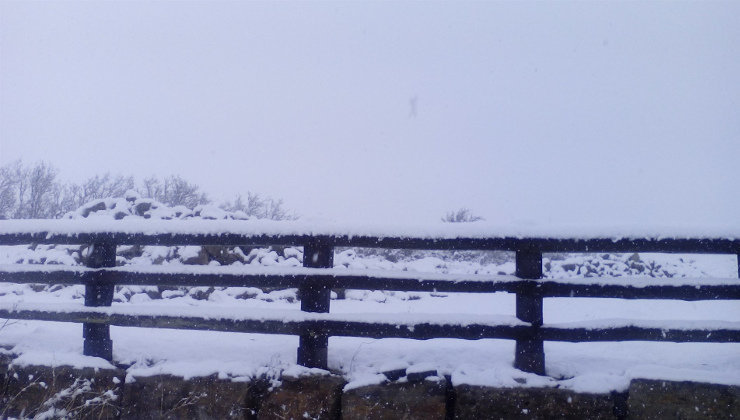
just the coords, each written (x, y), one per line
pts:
(132, 205)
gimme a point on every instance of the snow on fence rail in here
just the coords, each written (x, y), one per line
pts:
(314, 324)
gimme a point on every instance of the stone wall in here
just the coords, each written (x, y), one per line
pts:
(63, 392)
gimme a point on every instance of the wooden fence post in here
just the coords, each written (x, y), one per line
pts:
(98, 292)
(530, 350)
(313, 344)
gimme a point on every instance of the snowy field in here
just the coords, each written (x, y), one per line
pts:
(609, 120)
(585, 367)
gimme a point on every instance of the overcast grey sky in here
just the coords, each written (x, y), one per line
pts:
(585, 112)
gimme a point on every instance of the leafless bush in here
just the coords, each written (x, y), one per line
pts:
(173, 191)
(259, 207)
(463, 215)
(35, 192)
(29, 192)
(97, 187)
(8, 183)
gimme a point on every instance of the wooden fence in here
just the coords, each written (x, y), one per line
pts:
(314, 325)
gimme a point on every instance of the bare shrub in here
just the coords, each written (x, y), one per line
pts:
(260, 207)
(173, 191)
(462, 215)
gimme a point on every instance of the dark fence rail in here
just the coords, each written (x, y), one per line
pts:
(545, 245)
(314, 324)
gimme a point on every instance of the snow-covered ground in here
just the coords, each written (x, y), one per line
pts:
(592, 367)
